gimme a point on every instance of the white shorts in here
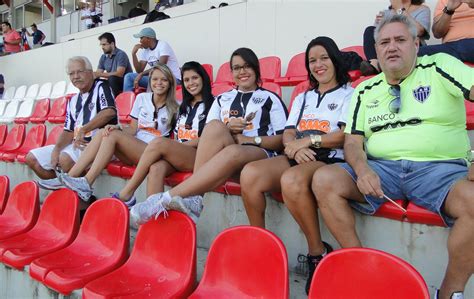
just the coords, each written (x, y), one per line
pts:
(43, 154)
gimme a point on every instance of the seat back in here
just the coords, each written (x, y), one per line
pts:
(20, 92)
(41, 110)
(170, 242)
(9, 93)
(3, 133)
(44, 91)
(179, 93)
(14, 139)
(124, 102)
(3, 105)
(54, 134)
(209, 70)
(71, 89)
(250, 261)
(363, 273)
(4, 191)
(59, 90)
(23, 203)
(60, 212)
(273, 87)
(58, 108)
(358, 49)
(270, 68)
(296, 66)
(301, 87)
(35, 137)
(218, 89)
(12, 109)
(26, 108)
(32, 92)
(224, 74)
(106, 222)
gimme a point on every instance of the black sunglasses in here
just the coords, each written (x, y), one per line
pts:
(396, 103)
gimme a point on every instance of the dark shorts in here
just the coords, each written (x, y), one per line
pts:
(269, 153)
(426, 184)
(324, 160)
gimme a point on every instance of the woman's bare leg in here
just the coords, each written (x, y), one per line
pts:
(87, 156)
(156, 177)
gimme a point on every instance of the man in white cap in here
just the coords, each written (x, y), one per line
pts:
(150, 51)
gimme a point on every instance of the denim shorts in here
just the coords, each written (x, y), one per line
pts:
(269, 153)
(426, 184)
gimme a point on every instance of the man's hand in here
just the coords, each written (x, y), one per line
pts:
(137, 81)
(292, 147)
(136, 48)
(368, 183)
(470, 175)
(305, 155)
(55, 158)
(109, 128)
(396, 4)
(237, 125)
(100, 75)
(239, 139)
(454, 4)
(80, 142)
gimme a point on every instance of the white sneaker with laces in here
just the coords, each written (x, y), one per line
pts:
(154, 205)
(50, 184)
(191, 205)
(79, 185)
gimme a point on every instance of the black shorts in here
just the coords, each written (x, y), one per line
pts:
(324, 160)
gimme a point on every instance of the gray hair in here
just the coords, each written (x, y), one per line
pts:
(82, 59)
(391, 17)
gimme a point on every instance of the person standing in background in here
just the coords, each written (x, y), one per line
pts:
(11, 39)
(38, 36)
(2, 86)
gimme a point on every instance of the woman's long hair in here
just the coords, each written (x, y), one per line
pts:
(206, 92)
(171, 104)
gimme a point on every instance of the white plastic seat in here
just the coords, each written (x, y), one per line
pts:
(20, 93)
(59, 89)
(26, 108)
(71, 89)
(3, 104)
(9, 93)
(10, 111)
(44, 91)
(31, 93)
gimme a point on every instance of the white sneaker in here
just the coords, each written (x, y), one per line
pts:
(191, 205)
(79, 185)
(50, 184)
(154, 205)
(455, 295)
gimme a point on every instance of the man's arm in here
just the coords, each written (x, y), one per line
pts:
(42, 38)
(137, 64)
(164, 59)
(100, 120)
(64, 139)
(118, 73)
(441, 21)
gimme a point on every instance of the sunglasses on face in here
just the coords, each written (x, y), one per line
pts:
(396, 103)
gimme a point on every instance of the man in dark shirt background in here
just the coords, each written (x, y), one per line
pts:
(2, 86)
(38, 36)
(137, 11)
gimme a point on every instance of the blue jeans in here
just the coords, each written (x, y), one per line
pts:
(130, 78)
(462, 49)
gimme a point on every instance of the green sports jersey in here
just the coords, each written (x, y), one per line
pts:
(431, 123)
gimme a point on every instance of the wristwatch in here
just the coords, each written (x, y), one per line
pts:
(258, 140)
(448, 11)
(400, 10)
(316, 141)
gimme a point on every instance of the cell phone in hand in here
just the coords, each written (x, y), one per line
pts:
(250, 116)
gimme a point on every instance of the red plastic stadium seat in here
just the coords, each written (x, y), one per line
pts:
(232, 188)
(3, 133)
(139, 90)
(358, 49)
(469, 64)
(389, 210)
(179, 94)
(295, 73)
(14, 139)
(176, 178)
(127, 171)
(162, 263)
(40, 114)
(270, 68)
(469, 115)
(417, 214)
(100, 247)
(124, 102)
(363, 273)
(114, 167)
(277, 196)
(360, 80)
(54, 135)
(57, 114)
(355, 75)
(35, 137)
(21, 211)
(57, 226)
(209, 70)
(224, 74)
(273, 87)
(4, 191)
(218, 89)
(245, 262)
(301, 87)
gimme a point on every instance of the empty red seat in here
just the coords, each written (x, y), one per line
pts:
(270, 68)
(295, 73)
(209, 70)
(124, 102)
(100, 247)
(41, 111)
(162, 263)
(363, 273)
(4, 191)
(301, 87)
(57, 226)
(245, 262)
(417, 214)
(224, 74)
(35, 138)
(57, 114)
(273, 87)
(114, 167)
(14, 139)
(176, 178)
(54, 134)
(3, 133)
(21, 210)
(218, 89)
(389, 210)
(127, 171)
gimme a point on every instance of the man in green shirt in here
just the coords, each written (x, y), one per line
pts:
(406, 138)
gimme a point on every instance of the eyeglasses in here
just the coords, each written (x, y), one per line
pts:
(79, 73)
(396, 103)
(238, 68)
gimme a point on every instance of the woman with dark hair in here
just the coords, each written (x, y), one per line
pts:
(244, 125)
(313, 137)
(164, 156)
(413, 9)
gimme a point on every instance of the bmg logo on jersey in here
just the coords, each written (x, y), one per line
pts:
(257, 101)
(422, 93)
(332, 106)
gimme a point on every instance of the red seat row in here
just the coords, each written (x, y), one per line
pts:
(42, 112)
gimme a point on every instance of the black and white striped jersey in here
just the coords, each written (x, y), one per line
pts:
(270, 112)
(82, 108)
(189, 126)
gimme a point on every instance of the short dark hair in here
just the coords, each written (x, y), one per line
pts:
(206, 92)
(250, 58)
(34, 25)
(8, 24)
(417, 2)
(139, 4)
(342, 77)
(107, 36)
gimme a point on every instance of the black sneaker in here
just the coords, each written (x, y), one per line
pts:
(313, 262)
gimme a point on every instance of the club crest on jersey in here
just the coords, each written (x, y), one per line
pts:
(422, 93)
(332, 106)
(201, 117)
(258, 100)
(91, 106)
(163, 120)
